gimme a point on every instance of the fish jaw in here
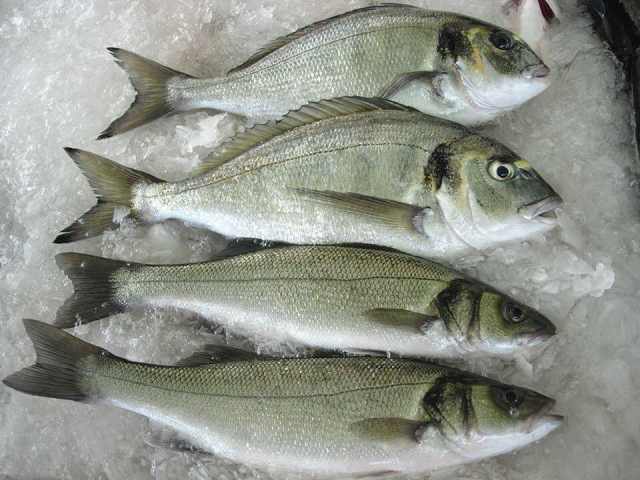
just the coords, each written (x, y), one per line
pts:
(501, 95)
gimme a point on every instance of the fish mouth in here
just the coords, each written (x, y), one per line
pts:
(545, 419)
(543, 211)
(537, 338)
(533, 72)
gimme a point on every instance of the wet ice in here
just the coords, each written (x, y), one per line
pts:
(61, 88)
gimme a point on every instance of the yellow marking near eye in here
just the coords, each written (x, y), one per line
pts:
(523, 164)
(476, 54)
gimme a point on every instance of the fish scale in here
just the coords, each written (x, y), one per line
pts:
(323, 415)
(332, 297)
(444, 64)
(339, 59)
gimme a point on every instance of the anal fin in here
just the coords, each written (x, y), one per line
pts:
(167, 439)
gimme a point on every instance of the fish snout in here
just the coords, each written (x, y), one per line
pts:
(543, 210)
(541, 335)
(536, 71)
(543, 419)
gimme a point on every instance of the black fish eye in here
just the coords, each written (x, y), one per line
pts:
(502, 171)
(502, 40)
(513, 313)
(512, 398)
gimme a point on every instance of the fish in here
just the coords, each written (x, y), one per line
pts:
(443, 64)
(348, 170)
(531, 19)
(329, 297)
(317, 415)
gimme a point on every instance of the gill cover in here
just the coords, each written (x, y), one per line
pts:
(494, 68)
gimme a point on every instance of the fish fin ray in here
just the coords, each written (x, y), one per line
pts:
(56, 373)
(94, 288)
(404, 79)
(412, 322)
(307, 114)
(166, 439)
(112, 184)
(149, 80)
(388, 212)
(280, 42)
(216, 354)
(387, 429)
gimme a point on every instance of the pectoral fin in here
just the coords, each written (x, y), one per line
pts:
(431, 81)
(387, 429)
(411, 322)
(388, 212)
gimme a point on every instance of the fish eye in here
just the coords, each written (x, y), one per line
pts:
(512, 398)
(501, 171)
(512, 313)
(502, 40)
(509, 398)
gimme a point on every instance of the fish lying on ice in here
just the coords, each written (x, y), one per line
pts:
(348, 170)
(334, 416)
(335, 298)
(443, 64)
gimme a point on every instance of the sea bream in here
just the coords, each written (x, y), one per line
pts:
(443, 64)
(348, 170)
(352, 416)
(334, 298)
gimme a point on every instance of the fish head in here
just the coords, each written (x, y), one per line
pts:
(488, 194)
(487, 321)
(480, 417)
(495, 69)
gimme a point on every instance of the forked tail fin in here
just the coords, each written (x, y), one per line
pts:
(113, 185)
(60, 370)
(153, 99)
(94, 288)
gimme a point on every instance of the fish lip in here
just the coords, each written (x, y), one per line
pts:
(542, 210)
(536, 71)
(545, 417)
(551, 420)
(539, 337)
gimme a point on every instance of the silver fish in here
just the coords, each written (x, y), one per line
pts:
(334, 416)
(336, 298)
(443, 64)
(346, 170)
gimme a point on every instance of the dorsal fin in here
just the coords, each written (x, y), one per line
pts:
(305, 115)
(215, 354)
(280, 42)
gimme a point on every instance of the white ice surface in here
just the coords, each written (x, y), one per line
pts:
(60, 87)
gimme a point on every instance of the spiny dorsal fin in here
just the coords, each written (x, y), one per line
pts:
(307, 114)
(280, 42)
(215, 354)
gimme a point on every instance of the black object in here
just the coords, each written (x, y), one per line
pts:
(618, 22)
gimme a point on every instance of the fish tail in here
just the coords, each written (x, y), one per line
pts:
(113, 185)
(93, 288)
(153, 98)
(60, 370)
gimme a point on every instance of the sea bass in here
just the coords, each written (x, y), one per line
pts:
(347, 170)
(332, 416)
(443, 64)
(336, 298)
